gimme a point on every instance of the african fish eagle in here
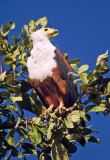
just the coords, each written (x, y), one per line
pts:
(48, 73)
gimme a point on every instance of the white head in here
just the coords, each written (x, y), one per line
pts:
(44, 33)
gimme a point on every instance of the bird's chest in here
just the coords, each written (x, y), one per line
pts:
(41, 69)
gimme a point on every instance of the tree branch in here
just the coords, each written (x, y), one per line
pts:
(17, 145)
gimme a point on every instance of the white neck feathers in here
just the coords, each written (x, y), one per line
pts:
(41, 62)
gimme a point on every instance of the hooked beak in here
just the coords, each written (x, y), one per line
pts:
(52, 32)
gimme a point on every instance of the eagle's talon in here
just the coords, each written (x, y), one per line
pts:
(47, 112)
(60, 110)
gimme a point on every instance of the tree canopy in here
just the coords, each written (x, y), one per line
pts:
(58, 137)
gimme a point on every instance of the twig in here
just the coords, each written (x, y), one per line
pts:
(17, 145)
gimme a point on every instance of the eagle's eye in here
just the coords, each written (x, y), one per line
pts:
(45, 29)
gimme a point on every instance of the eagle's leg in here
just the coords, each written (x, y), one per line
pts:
(47, 112)
(61, 109)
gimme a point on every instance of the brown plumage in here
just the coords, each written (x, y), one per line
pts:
(59, 88)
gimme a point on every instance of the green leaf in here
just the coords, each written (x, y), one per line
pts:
(26, 28)
(13, 26)
(36, 120)
(35, 134)
(92, 139)
(108, 87)
(23, 62)
(85, 116)
(32, 151)
(7, 26)
(53, 115)
(57, 135)
(6, 94)
(101, 68)
(72, 137)
(94, 108)
(83, 87)
(101, 57)
(26, 40)
(20, 155)
(58, 151)
(69, 123)
(18, 122)
(74, 66)
(69, 145)
(49, 131)
(16, 53)
(42, 130)
(84, 78)
(27, 146)
(83, 68)
(14, 108)
(66, 55)
(8, 59)
(90, 76)
(92, 90)
(75, 61)
(13, 88)
(42, 21)
(15, 39)
(16, 98)
(10, 140)
(22, 56)
(73, 117)
(32, 104)
(9, 79)
(22, 131)
(31, 24)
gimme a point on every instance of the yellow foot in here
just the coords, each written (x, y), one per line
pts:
(47, 112)
(60, 110)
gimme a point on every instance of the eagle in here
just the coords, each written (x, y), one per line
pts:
(48, 73)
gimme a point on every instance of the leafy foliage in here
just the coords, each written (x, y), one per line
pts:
(61, 135)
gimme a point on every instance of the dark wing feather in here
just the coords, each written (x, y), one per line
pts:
(65, 68)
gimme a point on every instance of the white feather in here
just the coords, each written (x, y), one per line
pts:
(41, 62)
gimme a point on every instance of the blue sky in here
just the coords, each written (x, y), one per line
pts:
(84, 27)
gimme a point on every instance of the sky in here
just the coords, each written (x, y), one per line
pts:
(84, 33)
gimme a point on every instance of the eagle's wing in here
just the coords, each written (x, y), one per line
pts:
(65, 68)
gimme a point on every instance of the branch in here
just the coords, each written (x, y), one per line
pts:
(17, 145)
